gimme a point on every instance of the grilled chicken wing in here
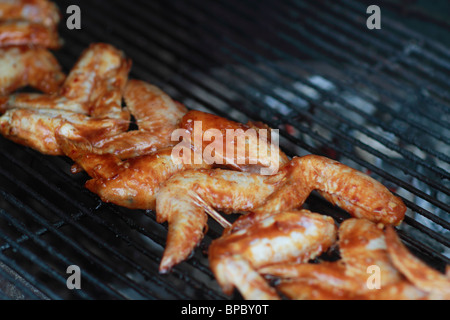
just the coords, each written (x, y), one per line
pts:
(156, 114)
(203, 191)
(36, 128)
(305, 290)
(131, 183)
(36, 67)
(43, 101)
(363, 245)
(186, 197)
(417, 272)
(244, 147)
(91, 93)
(350, 189)
(38, 11)
(94, 86)
(289, 236)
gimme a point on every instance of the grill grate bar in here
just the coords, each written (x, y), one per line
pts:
(104, 265)
(443, 206)
(365, 115)
(347, 85)
(7, 275)
(66, 239)
(328, 46)
(348, 49)
(157, 258)
(356, 76)
(40, 232)
(180, 47)
(354, 6)
(424, 250)
(42, 287)
(404, 57)
(31, 256)
(85, 211)
(389, 42)
(279, 53)
(444, 240)
(430, 215)
(406, 154)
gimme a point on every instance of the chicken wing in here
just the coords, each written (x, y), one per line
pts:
(305, 290)
(185, 197)
(36, 67)
(203, 191)
(36, 128)
(156, 115)
(350, 189)
(416, 271)
(242, 147)
(92, 92)
(130, 183)
(362, 245)
(93, 87)
(288, 236)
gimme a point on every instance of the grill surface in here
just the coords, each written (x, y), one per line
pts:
(376, 100)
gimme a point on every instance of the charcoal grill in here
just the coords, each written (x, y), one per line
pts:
(377, 100)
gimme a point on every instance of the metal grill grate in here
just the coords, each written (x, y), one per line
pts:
(376, 100)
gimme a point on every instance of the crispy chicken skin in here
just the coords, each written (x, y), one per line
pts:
(362, 244)
(288, 236)
(35, 67)
(96, 65)
(153, 109)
